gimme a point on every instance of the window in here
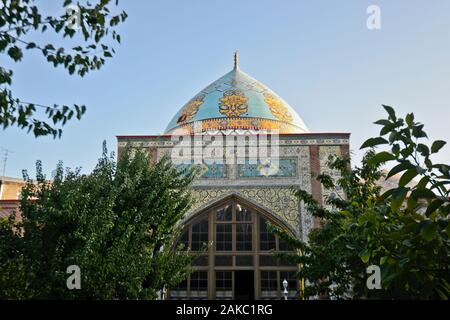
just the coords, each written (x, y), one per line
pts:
(267, 239)
(269, 288)
(199, 235)
(224, 237)
(241, 243)
(224, 214)
(283, 246)
(243, 214)
(224, 261)
(267, 260)
(224, 285)
(244, 261)
(199, 285)
(201, 261)
(244, 237)
(180, 292)
(284, 263)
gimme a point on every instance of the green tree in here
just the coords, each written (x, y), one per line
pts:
(405, 231)
(87, 30)
(118, 224)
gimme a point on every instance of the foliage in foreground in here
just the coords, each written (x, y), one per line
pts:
(86, 31)
(117, 224)
(405, 231)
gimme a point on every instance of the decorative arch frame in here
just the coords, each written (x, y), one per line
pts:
(272, 216)
(236, 245)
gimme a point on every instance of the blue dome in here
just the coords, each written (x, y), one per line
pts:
(236, 101)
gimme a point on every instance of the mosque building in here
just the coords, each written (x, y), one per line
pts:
(235, 194)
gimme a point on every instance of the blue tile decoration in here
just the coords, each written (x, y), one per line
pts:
(268, 168)
(240, 101)
(206, 170)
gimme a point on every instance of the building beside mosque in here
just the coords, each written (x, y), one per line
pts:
(239, 189)
(10, 189)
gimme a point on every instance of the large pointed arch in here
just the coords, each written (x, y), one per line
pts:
(239, 261)
(271, 215)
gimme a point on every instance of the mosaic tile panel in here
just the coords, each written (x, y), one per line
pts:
(220, 182)
(324, 155)
(280, 168)
(279, 201)
(207, 170)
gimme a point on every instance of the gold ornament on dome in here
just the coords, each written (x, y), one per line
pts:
(233, 103)
(277, 107)
(191, 109)
(237, 123)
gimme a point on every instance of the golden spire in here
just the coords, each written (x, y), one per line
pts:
(236, 60)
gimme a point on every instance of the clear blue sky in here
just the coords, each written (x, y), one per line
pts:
(318, 55)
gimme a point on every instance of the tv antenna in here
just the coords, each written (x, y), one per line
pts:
(4, 154)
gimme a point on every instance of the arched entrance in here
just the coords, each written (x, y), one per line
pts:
(239, 263)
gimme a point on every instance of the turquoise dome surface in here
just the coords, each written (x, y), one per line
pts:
(237, 101)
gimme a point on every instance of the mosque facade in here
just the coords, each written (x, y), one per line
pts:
(250, 148)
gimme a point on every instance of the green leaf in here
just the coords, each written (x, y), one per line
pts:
(387, 128)
(442, 295)
(424, 193)
(381, 157)
(423, 182)
(15, 53)
(391, 112)
(403, 261)
(423, 150)
(383, 122)
(387, 194)
(412, 200)
(437, 145)
(365, 256)
(395, 148)
(373, 142)
(3, 44)
(428, 163)
(409, 119)
(398, 197)
(31, 45)
(399, 168)
(434, 206)
(393, 137)
(418, 132)
(407, 151)
(417, 194)
(429, 231)
(407, 177)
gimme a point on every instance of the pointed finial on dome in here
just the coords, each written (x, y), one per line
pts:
(236, 60)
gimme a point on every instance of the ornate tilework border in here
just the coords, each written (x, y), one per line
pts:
(283, 168)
